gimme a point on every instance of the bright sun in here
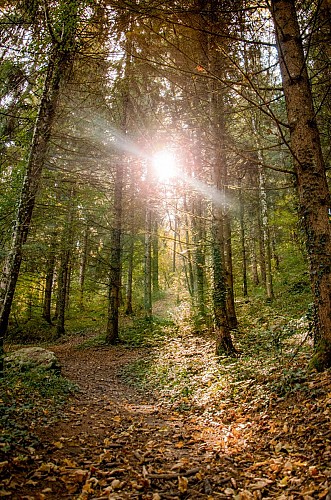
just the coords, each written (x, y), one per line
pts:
(164, 164)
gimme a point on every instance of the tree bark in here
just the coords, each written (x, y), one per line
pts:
(50, 267)
(83, 265)
(313, 192)
(243, 242)
(129, 308)
(155, 260)
(148, 265)
(64, 270)
(115, 278)
(224, 344)
(115, 260)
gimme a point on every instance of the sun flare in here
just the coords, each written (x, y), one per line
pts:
(165, 165)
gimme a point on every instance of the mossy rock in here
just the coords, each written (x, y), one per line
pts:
(32, 358)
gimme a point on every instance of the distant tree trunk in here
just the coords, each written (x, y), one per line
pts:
(115, 278)
(174, 249)
(230, 304)
(266, 235)
(155, 260)
(82, 265)
(50, 268)
(189, 264)
(64, 269)
(148, 265)
(243, 242)
(59, 64)
(314, 197)
(199, 261)
(224, 344)
(62, 293)
(254, 260)
(129, 308)
(115, 259)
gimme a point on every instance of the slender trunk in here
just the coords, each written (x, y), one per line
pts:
(148, 265)
(254, 237)
(313, 192)
(64, 270)
(230, 304)
(266, 235)
(224, 344)
(62, 293)
(50, 267)
(198, 237)
(243, 242)
(82, 266)
(114, 287)
(115, 260)
(155, 260)
(129, 308)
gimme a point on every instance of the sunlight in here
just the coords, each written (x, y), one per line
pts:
(165, 164)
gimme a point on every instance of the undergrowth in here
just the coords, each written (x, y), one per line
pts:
(137, 332)
(184, 371)
(29, 400)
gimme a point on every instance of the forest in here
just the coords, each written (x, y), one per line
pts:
(165, 257)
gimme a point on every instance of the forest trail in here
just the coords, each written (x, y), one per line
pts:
(117, 442)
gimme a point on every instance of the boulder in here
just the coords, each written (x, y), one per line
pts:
(33, 358)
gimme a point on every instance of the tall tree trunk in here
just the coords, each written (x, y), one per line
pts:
(230, 304)
(82, 266)
(115, 259)
(129, 308)
(243, 242)
(199, 261)
(58, 67)
(148, 265)
(114, 287)
(266, 235)
(64, 269)
(224, 344)
(50, 268)
(313, 192)
(155, 260)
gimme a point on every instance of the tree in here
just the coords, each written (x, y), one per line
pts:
(313, 192)
(63, 38)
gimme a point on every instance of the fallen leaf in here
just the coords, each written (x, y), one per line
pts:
(182, 484)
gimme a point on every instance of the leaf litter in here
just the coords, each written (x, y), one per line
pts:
(173, 422)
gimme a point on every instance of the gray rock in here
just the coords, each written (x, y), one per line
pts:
(32, 358)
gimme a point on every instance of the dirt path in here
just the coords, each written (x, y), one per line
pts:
(115, 442)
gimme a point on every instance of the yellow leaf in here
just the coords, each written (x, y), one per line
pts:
(58, 445)
(117, 418)
(70, 463)
(182, 484)
(283, 482)
(180, 444)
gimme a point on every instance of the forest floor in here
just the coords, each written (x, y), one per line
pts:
(167, 421)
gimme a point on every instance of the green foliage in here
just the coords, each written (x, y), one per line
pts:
(139, 332)
(144, 332)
